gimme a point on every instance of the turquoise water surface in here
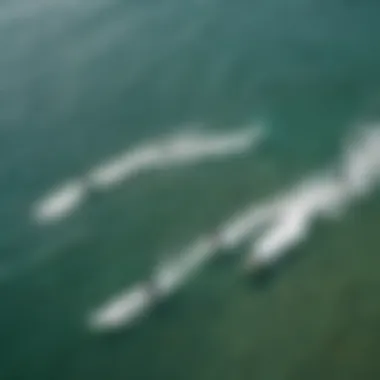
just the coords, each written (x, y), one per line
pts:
(208, 107)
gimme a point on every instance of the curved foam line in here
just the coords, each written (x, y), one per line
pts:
(131, 305)
(123, 310)
(171, 275)
(287, 220)
(61, 203)
(321, 196)
(361, 168)
(181, 149)
(237, 229)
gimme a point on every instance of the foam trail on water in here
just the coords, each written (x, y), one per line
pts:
(128, 307)
(262, 216)
(361, 167)
(294, 217)
(122, 310)
(237, 229)
(321, 196)
(60, 203)
(123, 167)
(287, 220)
(180, 149)
(171, 276)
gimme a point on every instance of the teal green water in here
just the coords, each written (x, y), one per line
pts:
(83, 81)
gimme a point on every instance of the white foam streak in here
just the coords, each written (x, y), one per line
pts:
(181, 149)
(125, 309)
(322, 196)
(361, 169)
(286, 220)
(123, 167)
(236, 230)
(60, 203)
(134, 303)
(171, 276)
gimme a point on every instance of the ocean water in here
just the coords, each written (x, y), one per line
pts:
(154, 154)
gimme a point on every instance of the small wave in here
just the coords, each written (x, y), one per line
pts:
(181, 149)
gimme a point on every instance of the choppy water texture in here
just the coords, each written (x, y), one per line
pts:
(154, 154)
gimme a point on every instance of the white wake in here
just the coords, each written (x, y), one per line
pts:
(275, 227)
(162, 153)
(324, 195)
(128, 307)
